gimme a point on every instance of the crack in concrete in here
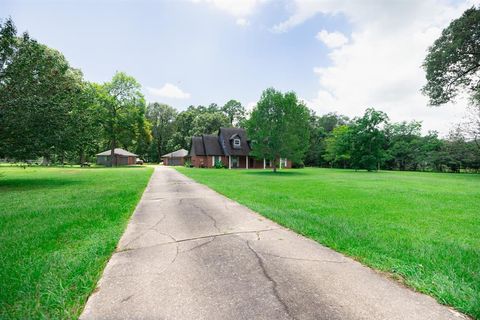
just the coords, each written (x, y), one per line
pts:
(196, 238)
(203, 211)
(152, 228)
(200, 245)
(127, 298)
(302, 259)
(269, 278)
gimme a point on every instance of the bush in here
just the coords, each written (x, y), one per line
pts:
(188, 164)
(298, 165)
(219, 164)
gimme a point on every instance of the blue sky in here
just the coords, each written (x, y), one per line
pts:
(337, 55)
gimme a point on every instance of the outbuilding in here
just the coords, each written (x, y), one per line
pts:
(175, 158)
(123, 157)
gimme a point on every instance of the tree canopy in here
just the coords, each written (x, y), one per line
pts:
(453, 61)
(278, 127)
(37, 91)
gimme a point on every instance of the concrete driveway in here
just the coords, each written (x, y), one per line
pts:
(190, 253)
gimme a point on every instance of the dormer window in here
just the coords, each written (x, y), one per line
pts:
(236, 143)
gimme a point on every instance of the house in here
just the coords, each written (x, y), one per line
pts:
(175, 158)
(123, 157)
(231, 147)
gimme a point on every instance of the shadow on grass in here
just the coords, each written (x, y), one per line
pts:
(30, 184)
(279, 173)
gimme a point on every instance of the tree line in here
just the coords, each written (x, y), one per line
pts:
(48, 111)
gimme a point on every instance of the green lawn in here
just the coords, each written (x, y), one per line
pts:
(423, 228)
(58, 228)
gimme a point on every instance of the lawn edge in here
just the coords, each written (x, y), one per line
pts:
(386, 274)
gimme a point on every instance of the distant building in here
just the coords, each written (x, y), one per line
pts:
(123, 157)
(175, 158)
(231, 147)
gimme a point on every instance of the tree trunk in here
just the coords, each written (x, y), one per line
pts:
(275, 165)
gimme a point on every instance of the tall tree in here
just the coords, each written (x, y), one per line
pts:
(339, 146)
(368, 140)
(453, 61)
(234, 111)
(122, 112)
(278, 127)
(404, 143)
(82, 138)
(37, 91)
(8, 41)
(162, 118)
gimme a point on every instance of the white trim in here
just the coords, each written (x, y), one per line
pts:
(213, 161)
(264, 164)
(246, 163)
(229, 162)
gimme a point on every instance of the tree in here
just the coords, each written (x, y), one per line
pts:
(37, 91)
(368, 140)
(162, 118)
(234, 111)
(404, 143)
(208, 123)
(338, 146)
(278, 127)
(196, 121)
(122, 112)
(8, 40)
(82, 136)
(321, 127)
(453, 61)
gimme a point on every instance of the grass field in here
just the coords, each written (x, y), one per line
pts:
(423, 228)
(58, 227)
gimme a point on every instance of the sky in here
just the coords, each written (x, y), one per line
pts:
(338, 56)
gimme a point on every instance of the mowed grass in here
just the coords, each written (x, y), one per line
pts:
(423, 228)
(58, 228)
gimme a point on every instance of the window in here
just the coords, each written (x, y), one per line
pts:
(236, 143)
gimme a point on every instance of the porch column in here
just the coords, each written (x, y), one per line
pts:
(229, 162)
(264, 164)
(247, 162)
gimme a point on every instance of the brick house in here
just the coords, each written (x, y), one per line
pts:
(230, 146)
(175, 158)
(123, 157)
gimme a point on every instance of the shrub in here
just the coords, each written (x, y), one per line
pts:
(219, 164)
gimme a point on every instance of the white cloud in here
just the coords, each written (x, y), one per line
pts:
(242, 22)
(380, 66)
(169, 91)
(332, 39)
(236, 8)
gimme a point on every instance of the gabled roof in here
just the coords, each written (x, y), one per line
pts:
(211, 145)
(221, 144)
(176, 154)
(197, 147)
(228, 134)
(118, 152)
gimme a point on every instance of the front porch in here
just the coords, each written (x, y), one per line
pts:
(246, 162)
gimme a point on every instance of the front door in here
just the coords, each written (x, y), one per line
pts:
(235, 162)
